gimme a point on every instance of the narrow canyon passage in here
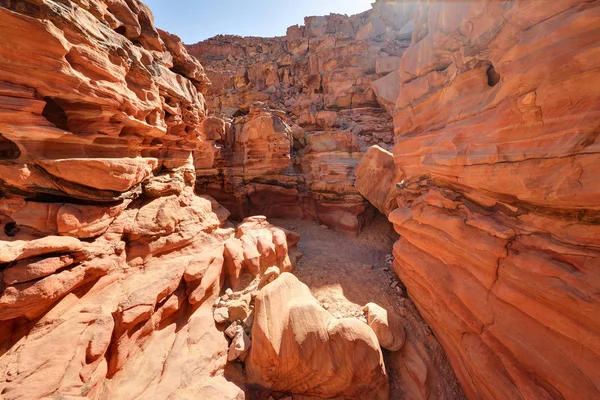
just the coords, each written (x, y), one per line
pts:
(345, 273)
(155, 195)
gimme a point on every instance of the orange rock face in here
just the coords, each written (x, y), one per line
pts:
(376, 179)
(109, 262)
(496, 135)
(319, 76)
(299, 347)
(112, 266)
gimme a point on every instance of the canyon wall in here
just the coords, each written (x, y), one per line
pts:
(109, 262)
(496, 128)
(320, 76)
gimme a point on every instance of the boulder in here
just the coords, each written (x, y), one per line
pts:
(239, 308)
(376, 179)
(239, 347)
(387, 327)
(298, 347)
(221, 315)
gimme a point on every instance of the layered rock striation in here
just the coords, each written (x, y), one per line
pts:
(321, 76)
(496, 130)
(109, 262)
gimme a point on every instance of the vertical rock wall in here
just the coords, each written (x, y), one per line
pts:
(496, 132)
(109, 262)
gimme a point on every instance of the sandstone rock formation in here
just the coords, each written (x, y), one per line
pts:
(109, 261)
(298, 347)
(376, 179)
(387, 327)
(112, 266)
(496, 130)
(320, 74)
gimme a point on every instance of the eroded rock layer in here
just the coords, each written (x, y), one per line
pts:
(109, 262)
(496, 129)
(322, 76)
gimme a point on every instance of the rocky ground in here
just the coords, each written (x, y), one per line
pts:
(345, 273)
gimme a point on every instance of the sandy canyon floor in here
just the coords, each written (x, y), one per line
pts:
(345, 273)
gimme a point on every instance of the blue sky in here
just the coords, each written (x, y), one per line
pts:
(196, 20)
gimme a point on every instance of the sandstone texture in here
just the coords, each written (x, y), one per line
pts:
(299, 347)
(109, 262)
(496, 131)
(387, 327)
(314, 88)
(376, 179)
(472, 126)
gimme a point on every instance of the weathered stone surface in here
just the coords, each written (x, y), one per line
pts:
(376, 179)
(256, 247)
(298, 347)
(239, 309)
(496, 136)
(269, 276)
(387, 327)
(320, 76)
(109, 262)
(15, 250)
(239, 347)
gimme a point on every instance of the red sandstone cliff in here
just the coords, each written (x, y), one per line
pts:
(320, 74)
(496, 133)
(109, 263)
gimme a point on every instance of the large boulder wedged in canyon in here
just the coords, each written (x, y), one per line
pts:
(496, 135)
(298, 347)
(376, 179)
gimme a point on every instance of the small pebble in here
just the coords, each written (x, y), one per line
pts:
(386, 269)
(324, 227)
(368, 267)
(221, 315)
(233, 330)
(228, 291)
(326, 306)
(394, 284)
